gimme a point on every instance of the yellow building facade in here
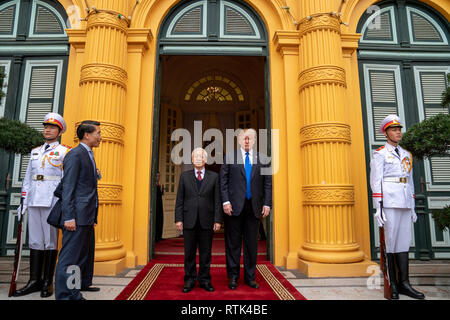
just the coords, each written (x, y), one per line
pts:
(306, 86)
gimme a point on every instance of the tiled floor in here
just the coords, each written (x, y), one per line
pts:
(432, 278)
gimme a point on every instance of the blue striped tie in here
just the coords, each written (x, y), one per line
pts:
(248, 174)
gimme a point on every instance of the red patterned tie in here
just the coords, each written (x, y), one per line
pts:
(199, 175)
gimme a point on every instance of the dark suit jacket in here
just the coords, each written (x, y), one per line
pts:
(79, 188)
(204, 203)
(233, 183)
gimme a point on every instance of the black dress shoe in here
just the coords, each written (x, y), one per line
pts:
(252, 284)
(207, 286)
(233, 284)
(188, 287)
(90, 289)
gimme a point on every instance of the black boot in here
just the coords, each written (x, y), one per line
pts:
(35, 282)
(392, 275)
(404, 287)
(49, 271)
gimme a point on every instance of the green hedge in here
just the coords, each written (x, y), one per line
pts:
(18, 137)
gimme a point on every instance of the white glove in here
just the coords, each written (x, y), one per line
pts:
(21, 212)
(380, 220)
(413, 216)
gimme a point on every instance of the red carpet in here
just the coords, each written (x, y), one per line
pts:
(162, 277)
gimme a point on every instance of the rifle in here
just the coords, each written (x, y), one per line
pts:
(17, 252)
(384, 260)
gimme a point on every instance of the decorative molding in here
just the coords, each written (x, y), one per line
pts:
(139, 39)
(109, 193)
(325, 132)
(328, 195)
(322, 74)
(105, 19)
(103, 73)
(287, 42)
(322, 22)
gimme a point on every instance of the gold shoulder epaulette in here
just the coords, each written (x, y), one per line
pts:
(68, 147)
(380, 148)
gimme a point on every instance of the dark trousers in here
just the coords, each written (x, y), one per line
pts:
(77, 254)
(242, 228)
(201, 239)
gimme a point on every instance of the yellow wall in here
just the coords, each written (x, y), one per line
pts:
(286, 64)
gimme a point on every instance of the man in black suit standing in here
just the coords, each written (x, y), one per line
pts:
(198, 215)
(75, 267)
(246, 189)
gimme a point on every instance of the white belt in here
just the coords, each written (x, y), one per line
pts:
(396, 180)
(41, 177)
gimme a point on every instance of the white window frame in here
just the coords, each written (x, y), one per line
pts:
(430, 20)
(399, 93)
(438, 203)
(7, 65)
(16, 18)
(204, 6)
(31, 33)
(23, 105)
(257, 34)
(393, 26)
(420, 106)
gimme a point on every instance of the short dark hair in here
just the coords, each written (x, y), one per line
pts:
(87, 126)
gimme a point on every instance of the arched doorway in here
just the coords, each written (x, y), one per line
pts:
(212, 67)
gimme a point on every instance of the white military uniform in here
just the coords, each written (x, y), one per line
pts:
(391, 180)
(43, 175)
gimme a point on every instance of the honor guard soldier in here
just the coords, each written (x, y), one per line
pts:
(43, 175)
(391, 180)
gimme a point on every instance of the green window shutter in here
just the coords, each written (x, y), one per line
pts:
(383, 98)
(7, 20)
(381, 31)
(236, 23)
(423, 30)
(41, 97)
(190, 22)
(432, 85)
(46, 22)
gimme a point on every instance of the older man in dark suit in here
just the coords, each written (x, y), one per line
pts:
(246, 189)
(75, 267)
(198, 215)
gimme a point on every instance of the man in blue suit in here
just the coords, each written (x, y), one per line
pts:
(75, 267)
(246, 189)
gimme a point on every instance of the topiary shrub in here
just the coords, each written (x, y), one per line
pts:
(442, 218)
(430, 137)
(18, 137)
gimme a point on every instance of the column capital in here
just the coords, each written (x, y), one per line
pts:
(350, 42)
(77, 38)
(287, 42)
(106, 19)
(320, 21)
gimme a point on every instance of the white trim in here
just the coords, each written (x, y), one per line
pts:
(31, 33)
(12, 216)
(35, 48)
(420, 106)
(399, 94)
(23, 105)
(16, 18)
(430, 20)
(245, 14)
(393, 26)
(181, 13)
(7, 65)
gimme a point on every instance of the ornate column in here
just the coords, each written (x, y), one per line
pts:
(103, 86)
(328, 193)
